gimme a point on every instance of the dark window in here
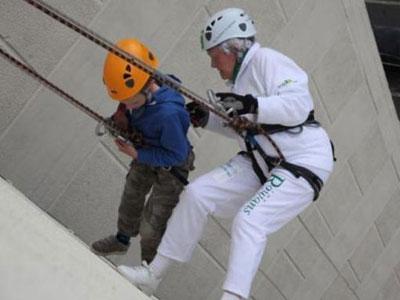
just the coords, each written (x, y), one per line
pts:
(385, 21)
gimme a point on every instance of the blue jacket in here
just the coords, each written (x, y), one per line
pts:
(164, 123)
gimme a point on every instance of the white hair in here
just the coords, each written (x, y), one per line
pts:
(238, 46)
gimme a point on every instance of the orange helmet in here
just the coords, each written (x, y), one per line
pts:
(122, 79)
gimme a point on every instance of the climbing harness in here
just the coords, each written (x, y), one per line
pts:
(298, 171)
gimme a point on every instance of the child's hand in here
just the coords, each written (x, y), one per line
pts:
(119, 117)
(126, 148)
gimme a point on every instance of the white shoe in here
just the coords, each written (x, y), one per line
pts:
(142, 277)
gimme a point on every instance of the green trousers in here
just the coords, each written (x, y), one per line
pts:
(149, 197)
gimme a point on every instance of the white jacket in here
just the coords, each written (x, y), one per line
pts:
(281, 88)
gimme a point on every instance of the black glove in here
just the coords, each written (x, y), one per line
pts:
(198, 115)
(241, 104)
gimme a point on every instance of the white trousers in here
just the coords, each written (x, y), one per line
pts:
(234, 190)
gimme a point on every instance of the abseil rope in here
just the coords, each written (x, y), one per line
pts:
(134, 137)
(157, 75)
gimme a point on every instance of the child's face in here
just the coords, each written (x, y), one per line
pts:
(136, 101)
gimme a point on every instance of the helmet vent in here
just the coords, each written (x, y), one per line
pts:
(208, 33)
(219, 18)
(130, 83)
(242, 15)
(151, 56)
(243, 26)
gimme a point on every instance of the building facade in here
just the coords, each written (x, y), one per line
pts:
(345, 246)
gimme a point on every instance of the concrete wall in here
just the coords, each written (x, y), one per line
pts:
(40, 259)
(343, 247)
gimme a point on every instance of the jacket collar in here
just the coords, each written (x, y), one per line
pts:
(249, 55)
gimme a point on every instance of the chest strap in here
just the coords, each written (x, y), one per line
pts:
(275, 128)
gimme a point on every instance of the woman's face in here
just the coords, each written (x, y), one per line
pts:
(223, 62)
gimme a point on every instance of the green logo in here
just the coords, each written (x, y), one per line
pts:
(272, 183)
(286, 82)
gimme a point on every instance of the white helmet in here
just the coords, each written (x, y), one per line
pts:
(226, 24)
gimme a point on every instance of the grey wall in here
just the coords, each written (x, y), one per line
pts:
(343, 247)
(41, 259)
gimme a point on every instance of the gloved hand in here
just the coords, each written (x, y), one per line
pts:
(241, 104)
(198, 115)
(119, 117)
